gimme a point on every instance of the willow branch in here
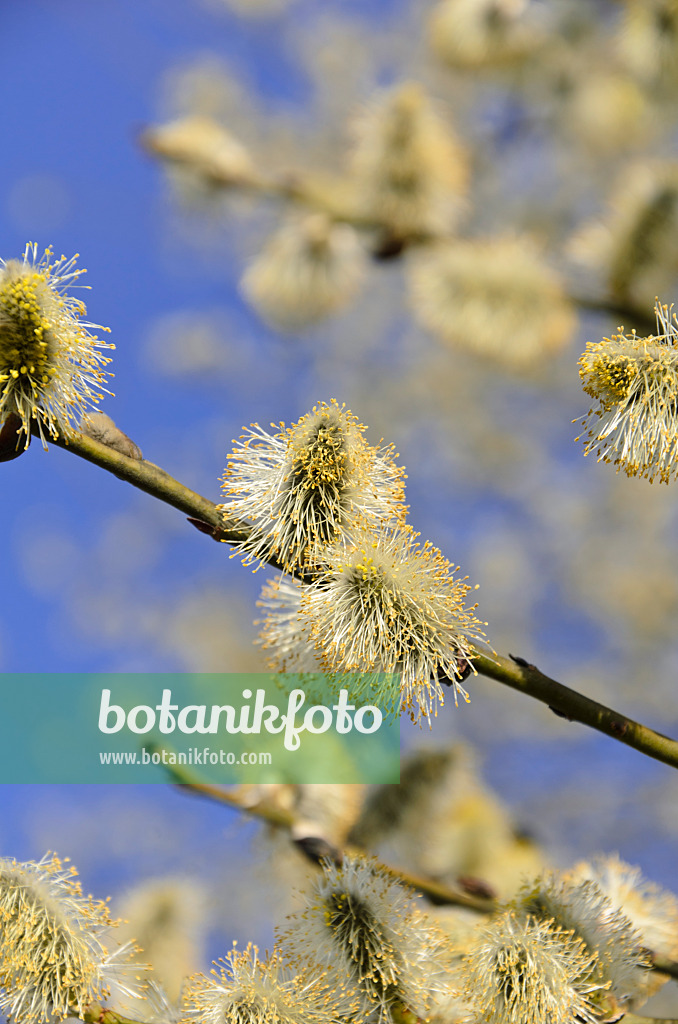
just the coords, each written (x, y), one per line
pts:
(628, 315)
(151, 479)
(281, 818)
(291, 187)
(575, 707)
(96, 1014)
(513, 672)
(441, 895)
(159, 484)
(665, 966)
(329, 197)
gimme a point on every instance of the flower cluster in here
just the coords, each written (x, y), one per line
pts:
(567, 948)
(409, 171)
(382, 603)
(651, 910)
(307, 485)
(248, 990)
(620, 962)
(494, 297)
(403, 188)
(53, 960)
(635, 383)
(521, 969)
(445, 823)
(634, 246)
(204, 149)
(51, 367)
(358, 949)
(310, 268)
(360, 923)
(481, 33)
(647, 41)
(373, 601)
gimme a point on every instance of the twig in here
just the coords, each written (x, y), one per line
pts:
(435, 892)
(295, 187)
(151, 479)
(278, 817)
(289, 187)
(514, 672)
(520, 675)
(665, 966)
(626, 314)
(97, 1014)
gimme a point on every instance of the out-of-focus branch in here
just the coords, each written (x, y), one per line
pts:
(628, 316)
(665, 966)
(280, 818)
(437, 893)
(293, 187)
(332, 197)
(96, 1014)
(516, 673)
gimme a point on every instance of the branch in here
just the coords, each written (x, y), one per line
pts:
(645, 323)
(437, 893)
(329, 197)
(96, 1014)
(664, 965)
(153, 480)
(295, 187)
(513, 672)
(575, 707)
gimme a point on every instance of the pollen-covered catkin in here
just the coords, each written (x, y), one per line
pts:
(247, 990)
(634, 381)
(306, 485)
(522, 969)
(53, 960)
(361, 923)
(494, 297)
(383, 603)
(581, 908)
(51, 367)
(409, 170)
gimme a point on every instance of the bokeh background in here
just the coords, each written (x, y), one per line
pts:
(577, 566)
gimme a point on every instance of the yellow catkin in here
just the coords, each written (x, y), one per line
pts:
(51, 366)
(634, 382)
